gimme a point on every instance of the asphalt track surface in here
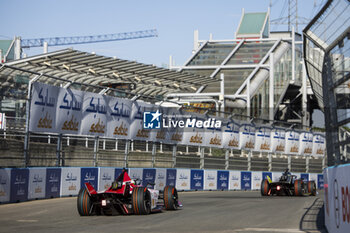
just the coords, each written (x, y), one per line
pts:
(215, 211)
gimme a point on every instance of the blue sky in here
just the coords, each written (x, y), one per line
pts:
(174, 20)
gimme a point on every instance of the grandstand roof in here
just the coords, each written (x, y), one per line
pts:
(76, 67)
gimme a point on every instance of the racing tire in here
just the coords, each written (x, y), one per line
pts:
(311, 188)
(265, 187)
(141, 201)
(170, 198)
(84, 202)
(298, 188)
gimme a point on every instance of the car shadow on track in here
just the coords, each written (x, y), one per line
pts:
(313, 219)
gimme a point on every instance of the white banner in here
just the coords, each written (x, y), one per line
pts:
(318, 145)
(136, 174)
(69, 111)
(43, 108)
(174, 135)
(263, 139)
(292, 142)
(194, 136)
(247, 137)
(94, 120)
(70, 181)
(256, 180)
(305, 143)
(314, 176)
(119, 118)
(183, 178)
(278, 140)
(210, 179)
(214, 136)
(37, 183)
(160, 180)
(5, 179)
(337, 198)
(235, 180)
(137, 131)
(106, 177)
(230, 138)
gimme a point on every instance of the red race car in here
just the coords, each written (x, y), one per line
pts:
(126, 197)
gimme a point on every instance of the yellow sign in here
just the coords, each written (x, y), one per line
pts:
(99, 127)
(45, 122)
(71, 125)
(249, 144)
(121, 130)
(215, 141)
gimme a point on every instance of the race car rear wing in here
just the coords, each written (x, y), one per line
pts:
(90, 189)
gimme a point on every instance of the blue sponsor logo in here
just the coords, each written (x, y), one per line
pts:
(152, 120)
(53, 182)
(171, 177)
(89, 175)
(197, 179)
(223, 177)
(246, 180)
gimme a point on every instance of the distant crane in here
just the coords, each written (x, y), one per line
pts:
(56, 41)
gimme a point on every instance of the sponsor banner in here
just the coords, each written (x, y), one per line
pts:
(230, 137)
(171, 177)
(37, 183)
(266, 174)
(174, 134)
(246, 180)
(43, 108)
(183, 179)
(235, 180)
(70, 181)
(197, 180)
(69, 111)
(256, 180)
(210, 179)
(318, 145)
(320, 181)
(337, 198)
(160, 181)
(292, 142)
(158, 134)
(276, 176)
(194, 136)
(119, 118)
(263, 139)
(53, 182)
(19, 185)
(149, 176)
(5, 184)
(94, 113)
(105, 177)
(136, 174)
(89, 175)
(305, 143)
(278, 140)
(137, 130)
(213, 136)
(304, 177)
(119, 171)
(223, 180)
(247, 137)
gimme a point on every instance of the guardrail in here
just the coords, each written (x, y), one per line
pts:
(48, 182)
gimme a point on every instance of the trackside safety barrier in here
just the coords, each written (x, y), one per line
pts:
(22, 184)
(337, 198)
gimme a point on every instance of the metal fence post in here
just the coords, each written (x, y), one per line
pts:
(154, 151)
(86, 142)
(249, 161)
(227, 164)
(161, 147)
(58, 150)
(307, 164)
(132, 145)
(116, 144)
(146, 146)
(270, 162)
(104, 144)
(174, 156)
(96, 142)
(201, 166)
(290, 162)
(187, 149)
(126, 153)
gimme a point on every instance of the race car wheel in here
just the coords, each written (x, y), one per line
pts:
(298, 188)
(84, 202)
(141, 201)
(170, 198)
(265, 187)
(311, 188)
